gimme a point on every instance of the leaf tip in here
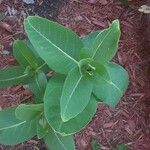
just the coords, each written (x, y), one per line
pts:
(64, 118)
(116, 24)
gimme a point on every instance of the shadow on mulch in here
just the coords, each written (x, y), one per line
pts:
(45, 8)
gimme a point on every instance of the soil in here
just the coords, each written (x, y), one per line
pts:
(129, 123)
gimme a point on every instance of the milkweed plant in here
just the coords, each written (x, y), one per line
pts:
(83, 76)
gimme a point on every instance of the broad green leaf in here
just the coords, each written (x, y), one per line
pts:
(111, 91)
(24, 54)
(18, 133)
(58, 46)
(76, 94)
(55, 141)
(88, 40)
(105, 44)
(38, 85)
(13, 76)
(42, 127)
(52, 110)
(28, 112)
(8, 118)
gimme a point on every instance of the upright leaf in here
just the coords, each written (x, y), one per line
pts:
(28, 112)
(13, 76)
(76, 94)
(38, 85)
(52, 109)
(105, 44)
(58, 46)
(55, 141)
(88, 40)
(111, 91)
(24, 54)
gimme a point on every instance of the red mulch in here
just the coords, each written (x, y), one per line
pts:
(130, 122)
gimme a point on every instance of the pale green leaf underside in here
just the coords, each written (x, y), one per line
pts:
(18, 134)
(76, 94)
(56, 142)
(52, 110)
(13, 76)
(28, 112)
(111, 91)
(58, 46)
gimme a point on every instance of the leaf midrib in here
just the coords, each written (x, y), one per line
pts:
(14, 78)
(113, 84)
(52, 43)
(28, 60)
(101, 41)
(13, 126)
(76, 85)
(60, 142)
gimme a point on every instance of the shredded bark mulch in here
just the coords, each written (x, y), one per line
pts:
(129, 123)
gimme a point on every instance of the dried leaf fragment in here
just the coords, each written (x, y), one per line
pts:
(145, 9)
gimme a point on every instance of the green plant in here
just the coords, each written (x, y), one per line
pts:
(96, 146)
(66, 102)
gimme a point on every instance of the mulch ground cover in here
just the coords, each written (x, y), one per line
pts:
(129, 123)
